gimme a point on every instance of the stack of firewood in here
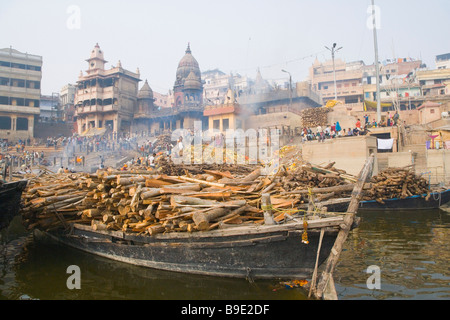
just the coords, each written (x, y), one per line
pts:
(396, 183)
(149, 202)
(314, 117)
(163, 140)
(137, 202)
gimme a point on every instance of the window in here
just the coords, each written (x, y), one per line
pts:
(22, 124)
(225, 124)
(431, 111)
(5, 123)
(216, 124)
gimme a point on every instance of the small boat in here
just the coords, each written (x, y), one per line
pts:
(436, 200)
(10, 196)
(251, 252)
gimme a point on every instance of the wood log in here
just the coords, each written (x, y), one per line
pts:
(155, 229)
(150, 193)
(91, 213)
(202, 219)
(182, 200)
(252, 176)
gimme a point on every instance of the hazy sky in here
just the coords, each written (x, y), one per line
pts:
(235, 36)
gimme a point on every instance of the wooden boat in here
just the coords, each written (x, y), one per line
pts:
(10, 195)
(417, 202)
(255, 252)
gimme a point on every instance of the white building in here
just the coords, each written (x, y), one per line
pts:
(443, 61)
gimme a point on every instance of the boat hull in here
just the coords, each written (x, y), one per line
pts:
(268, 253)
(435, 201)
(10, 196)
(419, 202)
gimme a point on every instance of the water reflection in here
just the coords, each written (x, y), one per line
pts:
(40, 273)
(409, 247)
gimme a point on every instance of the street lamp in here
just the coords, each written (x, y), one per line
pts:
(333, 51)
(290, 88)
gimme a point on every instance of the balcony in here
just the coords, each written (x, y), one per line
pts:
(28, 92)
(19, 109)
(36, 75)
(96, 108)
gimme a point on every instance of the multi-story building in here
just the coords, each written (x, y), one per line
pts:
(398, 83)
(443, 61)
(433, 82)
(67, 99)
(50, 108)
(348, 89)
(217, 83)
(106, 99)
(20, 93)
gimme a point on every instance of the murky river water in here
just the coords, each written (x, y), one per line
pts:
(409, 248)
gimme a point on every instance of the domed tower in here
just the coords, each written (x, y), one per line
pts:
(96, 60)
(192, 88)
(145, 99)
(188, 68)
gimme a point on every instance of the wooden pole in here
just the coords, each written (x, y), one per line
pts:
(314, 277)
(345, 228)
(266, 205)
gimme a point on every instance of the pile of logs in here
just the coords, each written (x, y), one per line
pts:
(163, 140)
(202, 199)
(396, 183)
(314, 117)
(139, 201)
(165, 165)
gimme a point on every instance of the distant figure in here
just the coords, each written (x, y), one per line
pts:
(151, 160)
(61, 170)
(396, 117)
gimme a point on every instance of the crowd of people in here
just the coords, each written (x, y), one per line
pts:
(336, 131)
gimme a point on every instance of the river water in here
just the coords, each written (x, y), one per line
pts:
(408, 249)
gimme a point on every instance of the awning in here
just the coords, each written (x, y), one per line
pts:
(372, 105)
(94, 132)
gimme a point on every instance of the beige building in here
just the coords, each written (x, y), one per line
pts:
(349, 76)
(105, 99)
(20, 93)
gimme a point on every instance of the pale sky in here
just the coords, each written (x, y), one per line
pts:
(235, 36)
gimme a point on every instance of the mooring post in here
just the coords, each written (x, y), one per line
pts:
(266, 205)
(332, 260)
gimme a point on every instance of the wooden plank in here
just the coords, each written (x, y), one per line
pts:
(345, 228)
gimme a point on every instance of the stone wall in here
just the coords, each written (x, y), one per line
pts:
(349, 153)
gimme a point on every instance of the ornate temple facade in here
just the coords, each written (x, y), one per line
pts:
(188, 102)
(105, 100)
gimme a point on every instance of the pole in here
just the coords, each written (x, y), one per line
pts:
(334, 72)
(332, 260)
(290, 88)
(290, 91)
(377, 68)
(333, 50)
